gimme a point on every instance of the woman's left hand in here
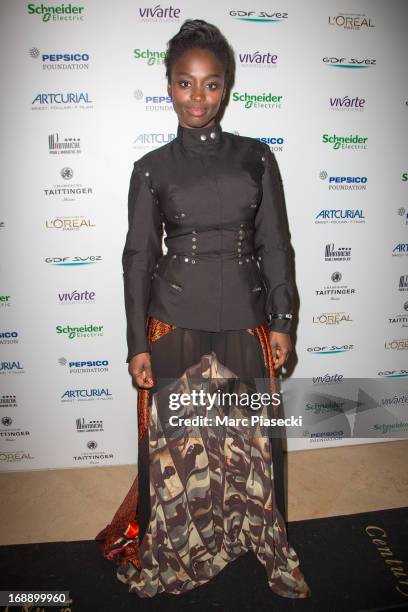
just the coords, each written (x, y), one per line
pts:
(281, 346)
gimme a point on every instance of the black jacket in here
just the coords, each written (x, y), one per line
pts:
(228, 265)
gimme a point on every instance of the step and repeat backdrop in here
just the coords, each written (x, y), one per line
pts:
(324, 83)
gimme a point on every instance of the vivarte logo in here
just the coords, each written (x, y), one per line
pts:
(159, 13)
(258, 58)
(76, 297)
(352, 62)
(259, 16)
(330, 350)
(347, 103)
(328, 379)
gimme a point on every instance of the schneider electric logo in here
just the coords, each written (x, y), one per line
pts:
(263, 100)
(61, 12)
(352, 141)
(84, 331)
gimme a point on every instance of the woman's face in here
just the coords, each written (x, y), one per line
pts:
(197, 87)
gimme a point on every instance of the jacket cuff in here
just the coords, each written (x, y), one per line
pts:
(279, 322)
(141, 347)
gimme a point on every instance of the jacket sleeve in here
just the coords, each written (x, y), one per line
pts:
(273, 247)
(142, 248)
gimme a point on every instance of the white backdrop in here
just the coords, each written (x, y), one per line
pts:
(84, 95)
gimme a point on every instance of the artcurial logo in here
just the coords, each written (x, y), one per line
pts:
(73, 261)
(11, 367)
(62, 12)
(351, 63)
(86, 394)
(64, 101)
(259, 16)
(147, 139)
(153, 58)
(350, 21)
(258, 59)
(340, 215)
(400, 249)
(68, 223)
(84, 331)
(263, 100)
(336, 254)
(344, 182)
(159, 13)
(352, 141)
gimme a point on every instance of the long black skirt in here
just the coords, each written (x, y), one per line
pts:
(208, 488)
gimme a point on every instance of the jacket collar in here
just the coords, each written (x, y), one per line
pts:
(200, 140)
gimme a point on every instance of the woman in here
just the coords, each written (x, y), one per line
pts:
(213, 312)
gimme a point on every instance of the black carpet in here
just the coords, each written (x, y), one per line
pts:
(342, 564)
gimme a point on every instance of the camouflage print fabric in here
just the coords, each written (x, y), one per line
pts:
(212, 497)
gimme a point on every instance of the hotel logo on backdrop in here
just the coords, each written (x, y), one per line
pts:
(60, 12)
(336, 254)
(259, 16)
(65, 146)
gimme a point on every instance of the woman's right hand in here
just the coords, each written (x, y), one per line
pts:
(140, 370)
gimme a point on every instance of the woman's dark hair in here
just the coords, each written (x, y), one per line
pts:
(199, 33)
